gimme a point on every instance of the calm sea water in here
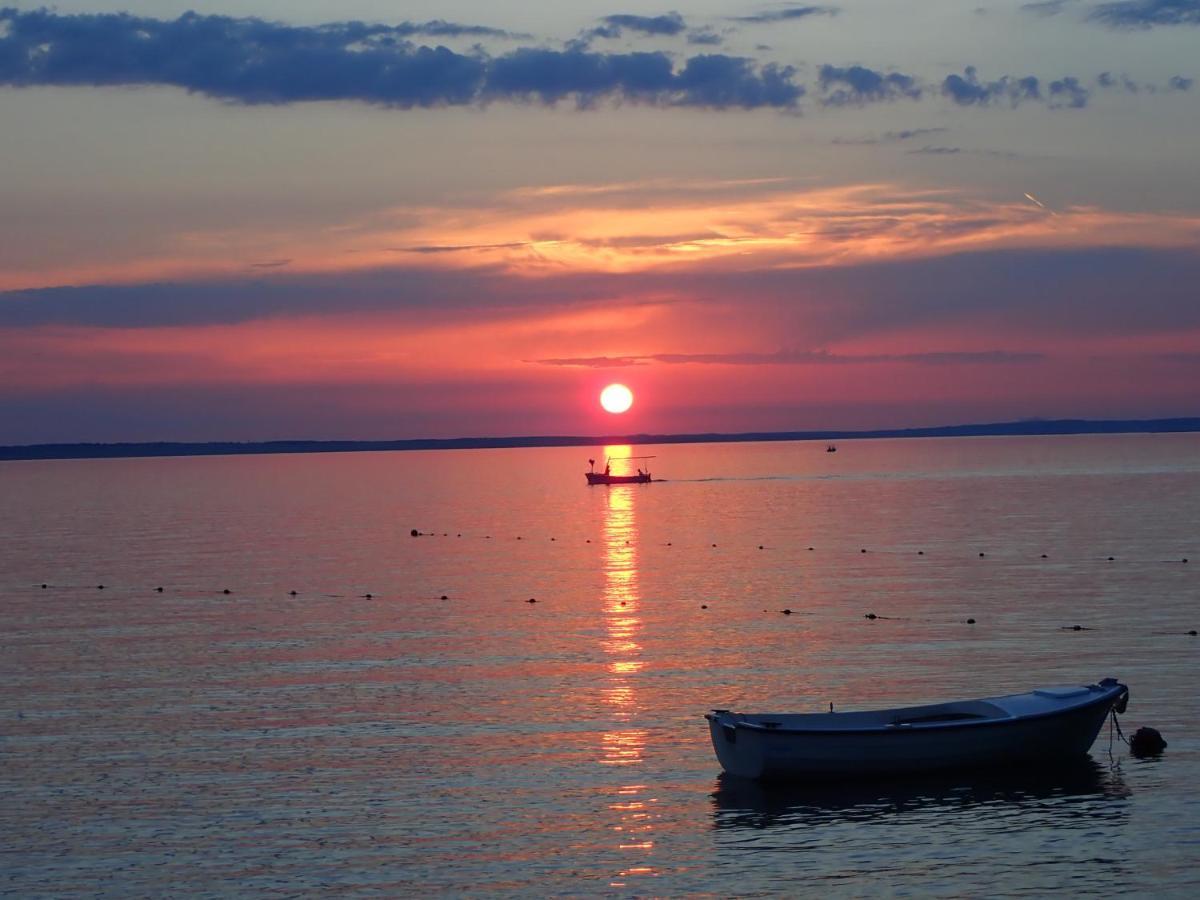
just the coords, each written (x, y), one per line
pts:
(408, 722)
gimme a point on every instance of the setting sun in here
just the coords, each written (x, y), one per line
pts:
(616, 398)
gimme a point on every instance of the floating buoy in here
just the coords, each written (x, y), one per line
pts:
(1111, 558)
(1077, 628)
(158, 590)
(714, 545)
(458, 535)
(810, 548)
(1044, 556)
(531, 600)
(870, 616)
(1147, 742)
(227, 591)
(863, 550)
(704, 606)
(622, 602)
(290, 593)
(981, 555)
(518, 537)
(1192, 632)
(44, 586)
(920, 553)
(415, 533)
(668, 543)
(369, 596)
(1184, 559)
(760, 546)
(444, 597)
(551, 538)
(786, 612)
(99, 587)
(970, 621)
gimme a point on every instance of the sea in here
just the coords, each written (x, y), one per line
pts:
(468, 673)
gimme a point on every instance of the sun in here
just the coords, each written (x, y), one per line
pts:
(616, 398)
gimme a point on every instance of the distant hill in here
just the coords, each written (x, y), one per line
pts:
(226, 448)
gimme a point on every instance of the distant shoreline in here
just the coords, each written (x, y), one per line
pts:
(233, 448)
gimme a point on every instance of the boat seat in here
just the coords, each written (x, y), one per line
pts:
(1062, 693)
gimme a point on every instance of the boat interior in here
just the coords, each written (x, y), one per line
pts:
(937, 714)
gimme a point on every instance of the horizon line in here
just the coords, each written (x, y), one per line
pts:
(1018, 428)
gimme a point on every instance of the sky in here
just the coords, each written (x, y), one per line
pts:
(261, 220)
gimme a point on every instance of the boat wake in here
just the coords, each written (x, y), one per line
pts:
(734, 478)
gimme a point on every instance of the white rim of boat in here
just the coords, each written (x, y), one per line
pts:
(1109, 694)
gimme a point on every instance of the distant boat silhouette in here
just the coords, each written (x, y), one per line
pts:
(831, 449)
(606, 477)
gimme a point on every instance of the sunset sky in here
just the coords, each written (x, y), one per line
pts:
(367, 219)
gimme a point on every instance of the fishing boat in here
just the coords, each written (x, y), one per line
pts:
(606, 477)
(830, 448)
(1043, 725)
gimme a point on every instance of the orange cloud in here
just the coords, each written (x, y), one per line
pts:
(632, 227)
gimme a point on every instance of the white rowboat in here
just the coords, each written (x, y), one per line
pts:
(1051, 723)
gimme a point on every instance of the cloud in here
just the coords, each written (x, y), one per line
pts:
(1047, 7)
(1068, 92)
(909, 133)
(892, 137)
(723, 81)
(787, 14)
(441, 28)
(1108, 81)
(797, 357)
(252, 61)
(968, 90)
(705, 37)
(459, 248)
(667, 25)
(1146, 13)
(855, 85)
(594, 362)
(956, 151)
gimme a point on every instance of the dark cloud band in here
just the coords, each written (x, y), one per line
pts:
(797, 357)
(252, 61)
(855, 85)
(1146, 13)
(787, 14)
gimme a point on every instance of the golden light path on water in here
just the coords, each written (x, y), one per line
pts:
(624, 747)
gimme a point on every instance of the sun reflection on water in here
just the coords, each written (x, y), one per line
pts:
(624, 746)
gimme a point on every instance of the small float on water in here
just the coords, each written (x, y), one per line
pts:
(606, 477)
(1044, 725)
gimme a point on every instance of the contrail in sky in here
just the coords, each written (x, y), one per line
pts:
(1040, 203)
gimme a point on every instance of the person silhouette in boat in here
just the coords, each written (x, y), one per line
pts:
(607, 468)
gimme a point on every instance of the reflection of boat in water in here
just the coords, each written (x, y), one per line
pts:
(741, 803)
(606, 477)
(1043, 725)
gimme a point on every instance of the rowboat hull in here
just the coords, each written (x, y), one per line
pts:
(1048, 724)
